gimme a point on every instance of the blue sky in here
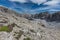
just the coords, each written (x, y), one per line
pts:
(32, 6)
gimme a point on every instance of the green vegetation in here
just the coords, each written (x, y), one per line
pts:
(27, 38)
(5, 28)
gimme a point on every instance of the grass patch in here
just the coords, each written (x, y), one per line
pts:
(27, 38)
(5, 28)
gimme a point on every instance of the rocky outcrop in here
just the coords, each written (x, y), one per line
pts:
(24, 29)
(49, 17)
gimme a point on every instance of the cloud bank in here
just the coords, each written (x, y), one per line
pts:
(52, 2)
(34, 1)
(52, 5)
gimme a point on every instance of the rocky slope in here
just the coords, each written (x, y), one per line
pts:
(24, 29)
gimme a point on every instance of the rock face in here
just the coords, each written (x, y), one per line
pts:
(24, 29)
(44, 15)
(48, 17)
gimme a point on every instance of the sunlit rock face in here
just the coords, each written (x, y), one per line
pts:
(20, 28)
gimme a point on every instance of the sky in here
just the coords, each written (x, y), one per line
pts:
(32, 6)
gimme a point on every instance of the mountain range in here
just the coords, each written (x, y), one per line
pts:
(16, 26)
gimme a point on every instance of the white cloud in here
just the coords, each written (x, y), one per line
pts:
(53, 5)
(52, 2)
(21, 1)
(38, 1)
(34, 1)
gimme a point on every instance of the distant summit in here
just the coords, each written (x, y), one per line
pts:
(47, 16)
(43, 15)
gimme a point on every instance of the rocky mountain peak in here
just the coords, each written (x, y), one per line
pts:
(15, 27)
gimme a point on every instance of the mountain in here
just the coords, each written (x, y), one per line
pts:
(43, 15)
(14, 26)
(47, 16)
